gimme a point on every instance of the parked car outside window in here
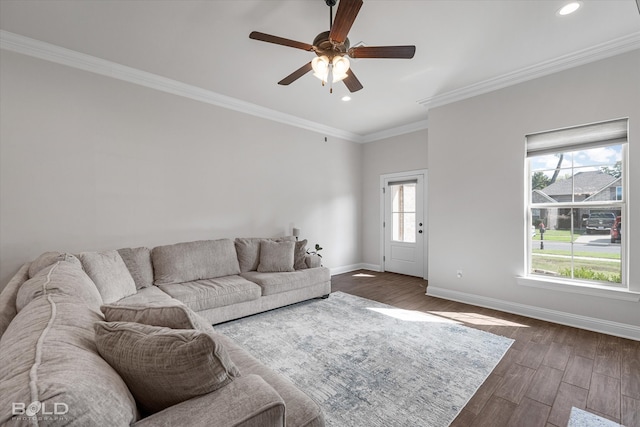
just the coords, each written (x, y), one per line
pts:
(615, 229)
(600, 221)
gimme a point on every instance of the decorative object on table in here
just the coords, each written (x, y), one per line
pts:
(388, 367)
(316, 252)
(315, 260)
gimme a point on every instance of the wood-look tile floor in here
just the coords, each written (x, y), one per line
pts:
(548, 369)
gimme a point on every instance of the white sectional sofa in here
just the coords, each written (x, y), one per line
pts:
(242, 279)
(124, 337)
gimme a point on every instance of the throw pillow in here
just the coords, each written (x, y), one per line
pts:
(110, 274)
(162, 366)
(138, 261)
(300, 254)
(248, 250)
(174, 315)
(276, 256)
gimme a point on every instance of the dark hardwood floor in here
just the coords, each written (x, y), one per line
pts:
(548, 369)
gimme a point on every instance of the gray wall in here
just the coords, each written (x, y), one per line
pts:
(93, 163)
(476, 181)
(398, 154)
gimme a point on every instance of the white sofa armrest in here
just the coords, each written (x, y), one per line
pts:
(247, 401)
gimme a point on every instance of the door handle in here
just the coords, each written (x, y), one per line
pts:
(420, 224)
(420, 231)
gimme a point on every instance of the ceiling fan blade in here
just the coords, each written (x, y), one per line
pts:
(400, 52)
(296, 74)
(351, 82)
(279, 40)
(346, 14)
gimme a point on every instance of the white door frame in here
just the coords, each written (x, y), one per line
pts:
(400, 175)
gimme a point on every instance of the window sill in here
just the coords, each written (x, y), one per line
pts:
(578, 288)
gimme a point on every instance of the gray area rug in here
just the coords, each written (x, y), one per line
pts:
(582, 418)
(370, 364)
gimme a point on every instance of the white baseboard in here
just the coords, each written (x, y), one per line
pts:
(371, 267)
(583, 322)
(345, 269)
(354, 267)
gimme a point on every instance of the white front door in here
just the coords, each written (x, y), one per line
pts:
(404, 224)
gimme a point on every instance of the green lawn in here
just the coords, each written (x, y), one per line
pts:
(600, 270)
(578, 254)
(610, 270)
(558, 235)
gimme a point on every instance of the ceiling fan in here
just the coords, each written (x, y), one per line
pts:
(332, 48)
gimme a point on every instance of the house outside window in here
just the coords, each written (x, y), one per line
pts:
(577, 200)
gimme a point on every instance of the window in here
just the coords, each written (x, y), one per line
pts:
(403, 211)
(577, 199)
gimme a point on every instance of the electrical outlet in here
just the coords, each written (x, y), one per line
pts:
(459, 274)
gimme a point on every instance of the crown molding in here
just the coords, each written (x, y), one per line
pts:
(50, 52)
(53, 53)
(400, 130)
(581, 57)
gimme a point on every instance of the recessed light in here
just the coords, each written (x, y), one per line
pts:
(569, 8)
(346, 98)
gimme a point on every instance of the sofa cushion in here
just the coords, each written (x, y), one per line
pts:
(63, 278)
(186, 262)
(48, 258)
(164, 366)
(138, 262)
(172, 314)
(276, 256)
(300, 254)
(275, 283)
(212, 293)
(110, 274)
(48, 355)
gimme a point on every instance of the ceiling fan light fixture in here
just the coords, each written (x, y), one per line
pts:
(333, 70)
(320, 66)
(340, 68)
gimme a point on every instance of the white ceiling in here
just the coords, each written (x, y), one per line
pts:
(463, 48)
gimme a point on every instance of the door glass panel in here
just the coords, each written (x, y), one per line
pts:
(403, 212)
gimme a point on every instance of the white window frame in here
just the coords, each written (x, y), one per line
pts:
(551, 142)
